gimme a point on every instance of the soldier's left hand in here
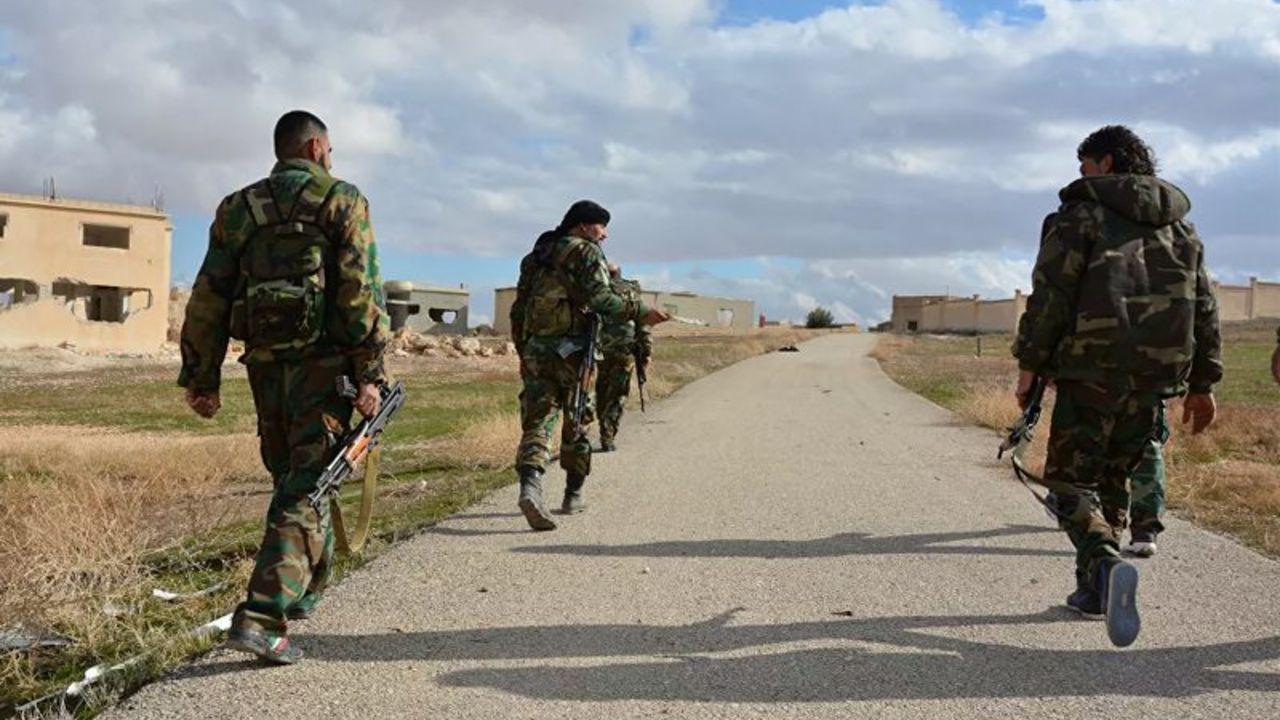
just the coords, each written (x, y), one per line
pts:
(368, 399)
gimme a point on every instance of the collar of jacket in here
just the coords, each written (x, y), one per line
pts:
(299, 164)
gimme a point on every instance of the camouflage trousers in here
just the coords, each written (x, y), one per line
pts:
(1096, 441)
(301, 421)
(548, 383)
(613, 385)
(1144, 498)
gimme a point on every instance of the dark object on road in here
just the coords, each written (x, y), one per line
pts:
(788, 348)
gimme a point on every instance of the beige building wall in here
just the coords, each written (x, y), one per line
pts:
(961, 315)
(713, 311)
(1266, 299)
(427, 309)
(92, 274)
(1258, 299)
(1233, 303)
(908, 311)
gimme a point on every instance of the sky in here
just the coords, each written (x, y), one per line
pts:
(797, 153)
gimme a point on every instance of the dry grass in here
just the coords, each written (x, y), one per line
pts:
(487, 444)
(79, 507)
(1227, 478)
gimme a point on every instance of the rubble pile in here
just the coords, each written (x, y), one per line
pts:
(407, 342)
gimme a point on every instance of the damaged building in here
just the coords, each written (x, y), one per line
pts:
(89, 274)
(427, 309)
(712, 312)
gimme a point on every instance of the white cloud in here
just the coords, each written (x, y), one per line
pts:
(893, 147)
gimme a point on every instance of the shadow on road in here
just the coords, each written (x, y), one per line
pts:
(903, 658)
(853, 543)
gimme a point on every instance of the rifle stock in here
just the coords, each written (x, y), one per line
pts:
(581, 396)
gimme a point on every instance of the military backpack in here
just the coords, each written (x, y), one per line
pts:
(281, 301)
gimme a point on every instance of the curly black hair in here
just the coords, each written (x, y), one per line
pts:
(1129, 154)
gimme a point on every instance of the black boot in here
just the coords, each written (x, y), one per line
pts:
(1116, 582)
(1085, 599)
(531, 500)
(573, 495)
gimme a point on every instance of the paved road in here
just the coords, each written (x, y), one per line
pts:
(793, 537)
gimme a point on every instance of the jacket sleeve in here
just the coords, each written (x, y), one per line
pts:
(586, 265)
(205, 327)
(1065, 243)
(358, 321)
(1206, 363)
(519, 306)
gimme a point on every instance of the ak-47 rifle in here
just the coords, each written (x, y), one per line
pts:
(642, 374)
(359, 442)
(1019, 439)
(580, 398)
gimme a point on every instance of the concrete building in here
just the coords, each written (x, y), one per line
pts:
(1258, 299)
(427, 309)
(944, 314)
(95, 275)
(715, 312)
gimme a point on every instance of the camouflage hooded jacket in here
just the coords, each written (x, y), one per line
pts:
(1120, 294)
(356, 321)
(562, 280)
(626, 337)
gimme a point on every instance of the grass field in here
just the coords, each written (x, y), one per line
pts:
(110, 488)
(1227, 479)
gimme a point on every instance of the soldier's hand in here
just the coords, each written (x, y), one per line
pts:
(1275, 364)
(205, 404)
(1022, 392)
(368, 399)
(655, 316)
(1200, 409)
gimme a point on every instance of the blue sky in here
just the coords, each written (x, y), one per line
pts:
(797, 153)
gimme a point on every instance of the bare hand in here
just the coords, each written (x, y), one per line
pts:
(1275, 364)
(1200, 409)
(655, 316)
(1022, 392)
(368, 399)
(205, 404)
(648, 360)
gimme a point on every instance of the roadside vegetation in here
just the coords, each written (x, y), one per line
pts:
(1227, 479)
(111, 489)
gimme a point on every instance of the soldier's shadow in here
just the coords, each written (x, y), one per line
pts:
(840, 545)
(882, 658)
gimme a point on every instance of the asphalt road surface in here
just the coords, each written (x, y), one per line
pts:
(793, 537)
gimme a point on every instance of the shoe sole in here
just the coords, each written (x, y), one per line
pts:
(1141, 550)
(1123, 623)
(536, 518)
(1086, 615)
(571, 511)
(243, 645)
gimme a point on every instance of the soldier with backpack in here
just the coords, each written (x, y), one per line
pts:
(292, 271)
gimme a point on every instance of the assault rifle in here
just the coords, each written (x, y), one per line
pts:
(1019, 439)
(580, 398)
(642, 375)
(359, 442)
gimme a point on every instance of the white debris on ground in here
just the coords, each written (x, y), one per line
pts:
(407, 342)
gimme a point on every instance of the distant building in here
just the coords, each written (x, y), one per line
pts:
(946, 314)
(427, 309)
(95, 275)
(713, 312)
(1258, 299)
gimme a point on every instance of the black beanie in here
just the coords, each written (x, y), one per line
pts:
(584, 212)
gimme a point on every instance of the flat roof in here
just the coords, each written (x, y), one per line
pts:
(426, 287)
(83, 205)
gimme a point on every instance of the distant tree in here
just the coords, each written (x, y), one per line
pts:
(819, 317)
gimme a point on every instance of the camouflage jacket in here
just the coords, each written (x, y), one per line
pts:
(562, 280)
(1120, 295)
(356, 321)
(626, 337)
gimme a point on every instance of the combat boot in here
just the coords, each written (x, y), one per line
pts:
(1116, 583)
(607, 444)
(573, 495)
(1085, 599)
(531, 500)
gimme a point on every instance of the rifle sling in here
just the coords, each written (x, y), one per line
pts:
(352, 544)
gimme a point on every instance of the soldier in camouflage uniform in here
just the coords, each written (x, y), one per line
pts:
(562, 281)
(292, 270)
(1121, 316)
(622, 345)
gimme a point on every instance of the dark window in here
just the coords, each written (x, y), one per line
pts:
(912, 326)
(16, 291)
(4, 220)
(106, 236)
(101, 303)
(443, 316)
